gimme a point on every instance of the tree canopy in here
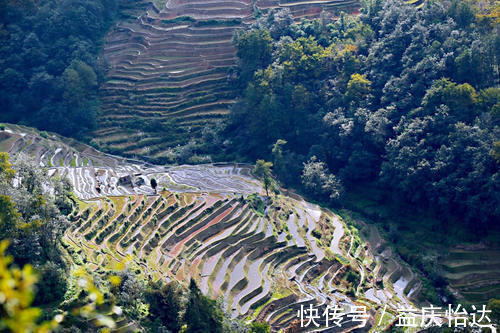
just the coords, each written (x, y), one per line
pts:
(262, 169)
(50, 70)
(403, 98)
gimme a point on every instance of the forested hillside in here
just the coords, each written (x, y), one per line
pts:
(401, 98)
(50, 71)
(171, 78)
(342, 152)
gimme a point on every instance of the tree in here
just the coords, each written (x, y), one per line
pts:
(9, 217)
(5, 167)
(461, 100)
(279, 23)
(32, 214)
(495, 152)
(358, 88)
(48, 75)
(494, 306)
(165, 304)
(154, 184)
(74, 88)
(318, 180)
(262, 170)
(254, 51)
(399, 96)
(278, 155)
(86, 74)
(130, 294)
(433, 156)
(462, 12)
(202, 314)
(52, 284)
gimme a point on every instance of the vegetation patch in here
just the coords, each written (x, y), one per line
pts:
(179, 19)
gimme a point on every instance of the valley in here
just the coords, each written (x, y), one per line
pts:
(249, 166)
(211, 223)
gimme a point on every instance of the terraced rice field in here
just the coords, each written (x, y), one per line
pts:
(474, 273)
(168, 69)
(204, 224)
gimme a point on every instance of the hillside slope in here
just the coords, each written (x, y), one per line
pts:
(211, 223)
(169, 70)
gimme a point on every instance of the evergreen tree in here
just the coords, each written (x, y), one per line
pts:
(202, 314)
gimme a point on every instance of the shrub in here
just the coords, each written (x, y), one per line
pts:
(179, 19)
(353, 277)
(258, 327)
(494, 306)
(316, 233)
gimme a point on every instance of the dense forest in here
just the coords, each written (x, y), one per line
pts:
(401, 99)
(50, 70)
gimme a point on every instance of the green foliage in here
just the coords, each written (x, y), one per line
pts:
(202, 314)
(463, 12)
(278, 160)
(381, 99)
(302, 59)
(5, 167)
(495, 152)
(130, 294)
(434, 154)
(154, 184)
(429, 292)
(254, 51)
(52, 284)
(494, 306)
(229, 23)
(50, 73)
(358, 88)
(256, 203)
(179, 19)
(353, 277)
(165, 305)
(257, 327)
(17, 286)
(318, 180)
(79, 79)
(262, 170)
(316, 233)
(460, 99)
(9, 217)
(34, 213)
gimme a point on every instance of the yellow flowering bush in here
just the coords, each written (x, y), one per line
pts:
(17, 289)
(16, 296)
